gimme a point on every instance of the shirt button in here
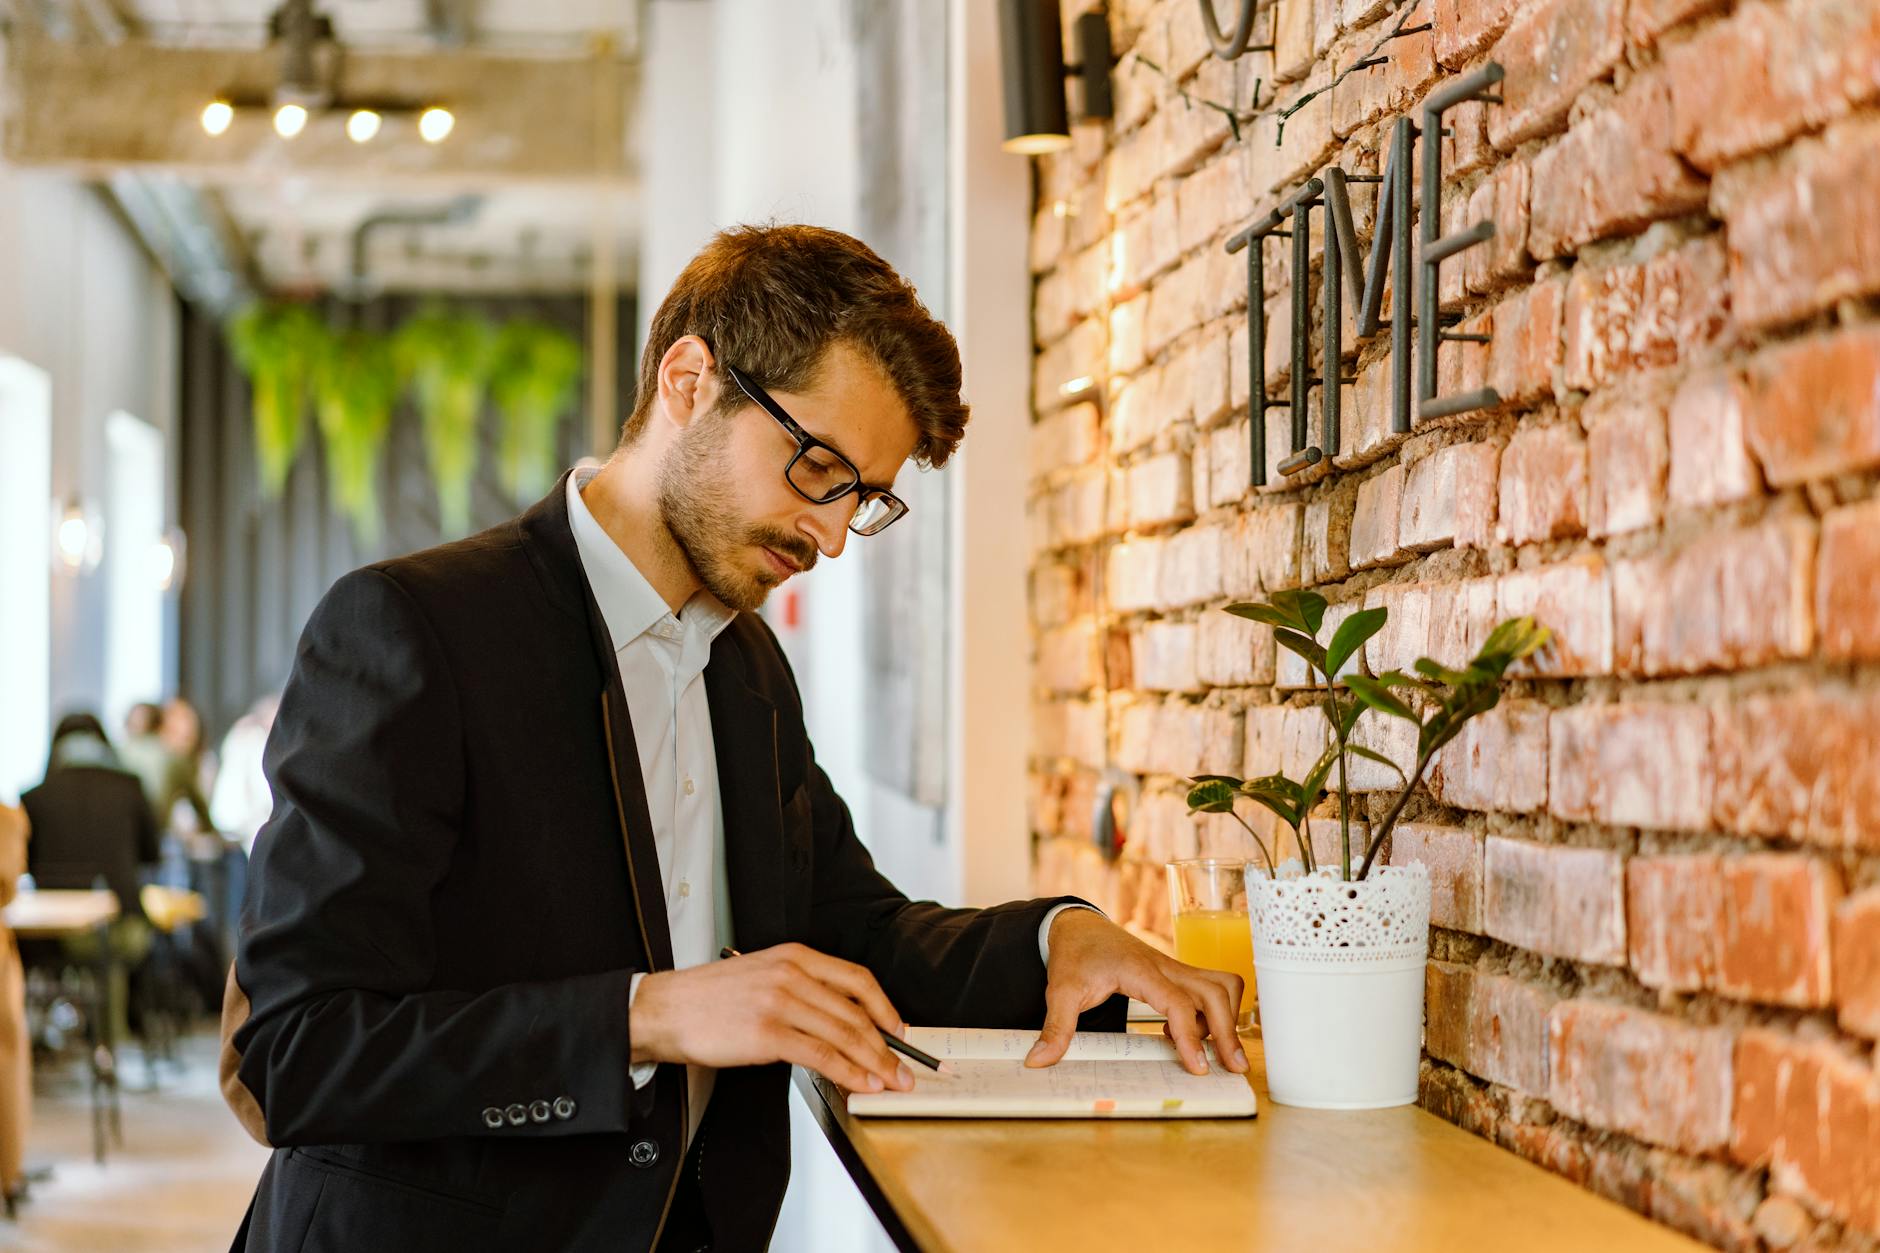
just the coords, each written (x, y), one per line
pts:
(689, 787)
(685, 887)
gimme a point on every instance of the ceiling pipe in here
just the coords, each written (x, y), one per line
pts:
(457, 212)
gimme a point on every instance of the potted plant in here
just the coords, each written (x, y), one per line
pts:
(446, 356)
(355, 390)
(1339, 949)
(532, 379)
(278, 346)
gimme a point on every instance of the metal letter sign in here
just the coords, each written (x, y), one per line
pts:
(1390, 242)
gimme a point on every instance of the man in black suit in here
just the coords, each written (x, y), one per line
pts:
(527, 784)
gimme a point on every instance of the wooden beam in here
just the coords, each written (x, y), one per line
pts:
(137, 105)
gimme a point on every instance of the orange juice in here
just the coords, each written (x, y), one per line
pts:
(1218, 939)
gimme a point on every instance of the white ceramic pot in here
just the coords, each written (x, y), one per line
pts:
(1340, 973)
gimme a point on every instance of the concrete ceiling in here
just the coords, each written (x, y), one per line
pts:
(110, 87)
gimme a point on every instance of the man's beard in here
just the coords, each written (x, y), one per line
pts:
(699, 508)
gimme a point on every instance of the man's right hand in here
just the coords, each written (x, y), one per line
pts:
(783, 1004)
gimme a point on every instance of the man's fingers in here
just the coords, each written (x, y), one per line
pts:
(826, 1060)
(854, 982)
(1220, 1004)
(1183, 1025)
(822, 1015)
(1061, 1008)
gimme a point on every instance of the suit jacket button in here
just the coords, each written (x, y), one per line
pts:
(492, 1118)
(564, 1108)
(538, 1111)
(517, 1115)
(643, 1153)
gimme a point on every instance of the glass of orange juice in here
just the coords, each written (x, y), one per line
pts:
(1208, 902)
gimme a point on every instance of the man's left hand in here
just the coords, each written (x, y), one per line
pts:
(1092, 959)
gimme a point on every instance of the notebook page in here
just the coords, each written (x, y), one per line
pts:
(994, 1042)
(1006, 1088)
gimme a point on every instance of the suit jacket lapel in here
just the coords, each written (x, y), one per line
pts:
(744, 735)
(549, 542)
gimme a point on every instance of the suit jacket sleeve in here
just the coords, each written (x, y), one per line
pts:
(333, 1032)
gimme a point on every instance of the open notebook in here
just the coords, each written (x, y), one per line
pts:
(1104, 1075)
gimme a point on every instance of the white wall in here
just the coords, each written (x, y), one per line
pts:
(80, 301)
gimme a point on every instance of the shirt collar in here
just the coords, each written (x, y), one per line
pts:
(629, 605)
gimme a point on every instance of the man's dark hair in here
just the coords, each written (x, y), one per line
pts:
(771, 300)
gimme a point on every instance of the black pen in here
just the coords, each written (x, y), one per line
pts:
(893, 1041)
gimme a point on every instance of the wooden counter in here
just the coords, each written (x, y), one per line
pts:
(1290, 1179)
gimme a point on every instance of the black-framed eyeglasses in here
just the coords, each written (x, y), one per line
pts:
(820, 474)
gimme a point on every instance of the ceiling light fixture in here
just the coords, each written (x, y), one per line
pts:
(216, 116)
(1031, 54)
(290, 120)
(363, 125)
(435, 123)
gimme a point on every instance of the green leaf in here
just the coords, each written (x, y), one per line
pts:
(1376, 694)
(1436, 670)
(1303, 645)
(1351, 635)
(1279, 794)
(1212, 797)
(1228, 779)
(1306, 608)
(1314, 782)
(1370, 754)
(1262, 613)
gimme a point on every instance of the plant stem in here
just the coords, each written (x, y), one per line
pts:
(1390, 819)
(1271, 871)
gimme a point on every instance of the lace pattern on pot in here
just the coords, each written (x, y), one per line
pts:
(1383, 918)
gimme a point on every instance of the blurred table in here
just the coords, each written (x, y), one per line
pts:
(53, 913)
(169, 908)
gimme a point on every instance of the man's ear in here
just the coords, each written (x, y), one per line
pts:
(688, 380)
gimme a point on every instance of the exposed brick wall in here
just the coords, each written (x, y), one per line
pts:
(1656, 965)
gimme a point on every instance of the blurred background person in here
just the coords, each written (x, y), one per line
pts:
(241, 801)
(91, 823)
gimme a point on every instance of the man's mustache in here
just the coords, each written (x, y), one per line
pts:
(795, 547)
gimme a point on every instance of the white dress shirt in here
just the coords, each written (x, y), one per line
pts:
(662, 660)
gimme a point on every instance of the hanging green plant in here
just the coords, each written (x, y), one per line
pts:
(535, 370)
(446, 355)
(355, 391)
(277, 346)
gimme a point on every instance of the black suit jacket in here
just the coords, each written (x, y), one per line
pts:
(89, 821)
(427, 1012)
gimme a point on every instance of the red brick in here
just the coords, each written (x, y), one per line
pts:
(1060, 591)
(1527, 343)
(1801, 234)
(1453, 857)
(1673, 915)
(1685, 308)
(1499, 761)
(1466, 27)
(1131, 573)
(1079, 355)
(1282, 739)
(1449, 498)
(1068, 658)
(1800, 764)
(1391, 87)
(1647, 1075)
(1460, 617)
(1069, 729)
(1632, 764)
(1627, 460)
(1601, 307)
(1191, 567)
(1178, 739)
(1509, 1044)
(1809, 1112)
(1160, 491)
(1770, 71)
(1162, 657)
(1543, 485)
(1326, 547)
(1573, 599)
(1269, 536)
(1233, 652)
(1857, 962)
(1066, 438)
(1375, 517)
(1551, 51)
(1503, 200)
(1645, 20)
(1773, 946)
(1641, 178)
(1449, 1012)
(1708, 1201)
(1731, 600)
(1173, 302)
(1813, 407)
(1847, 583)
(1710, 461)
(1555, 900)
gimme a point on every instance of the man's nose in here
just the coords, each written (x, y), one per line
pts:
(828, 524)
